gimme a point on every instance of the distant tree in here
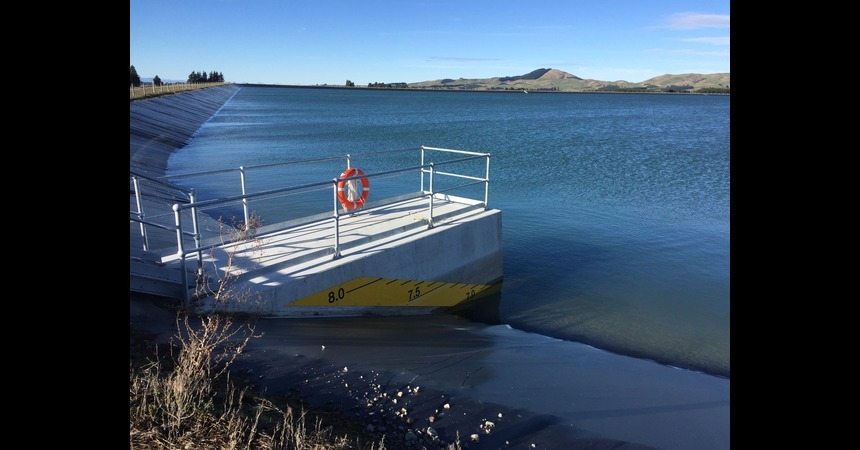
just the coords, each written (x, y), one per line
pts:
(349, 83)
(202, 77)
(714, 90)
(387, 85)
(133, 78)
(156, 81)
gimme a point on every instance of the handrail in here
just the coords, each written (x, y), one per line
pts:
(214, 202)
(194, 206)
(292, 163)
(136, 177)
(161, 182)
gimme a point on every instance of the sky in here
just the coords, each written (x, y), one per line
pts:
(327, 42)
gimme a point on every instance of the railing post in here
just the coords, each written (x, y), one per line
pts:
(348, 161)
(196, 227)
(180, 252)
(421, 171)
(430, 218)
(487, 185)
(244, 199)
(140, 213)
(336, 221)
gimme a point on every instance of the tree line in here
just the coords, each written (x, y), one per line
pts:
(193, 77)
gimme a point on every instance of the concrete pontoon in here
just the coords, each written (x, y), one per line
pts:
(409, 253)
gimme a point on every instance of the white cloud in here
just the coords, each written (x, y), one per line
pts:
(691, 21)
(710, 40)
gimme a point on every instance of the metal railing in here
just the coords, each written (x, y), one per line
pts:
(428, 179)
(139, 215)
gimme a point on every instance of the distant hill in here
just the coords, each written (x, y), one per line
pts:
(545, 74)
(560, 81)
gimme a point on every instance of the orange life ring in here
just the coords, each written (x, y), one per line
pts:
(347, 191)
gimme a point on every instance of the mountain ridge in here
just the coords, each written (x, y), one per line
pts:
(548, 79)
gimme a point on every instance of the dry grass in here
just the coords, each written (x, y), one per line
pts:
(185, 398)
(182, 395)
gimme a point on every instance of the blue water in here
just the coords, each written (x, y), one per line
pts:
(615, 207)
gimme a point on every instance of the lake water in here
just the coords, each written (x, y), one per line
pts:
(615, 207)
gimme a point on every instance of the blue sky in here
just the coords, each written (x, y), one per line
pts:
(310, 42)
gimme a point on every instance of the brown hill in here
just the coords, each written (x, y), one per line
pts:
(561, 81)
(555, 74)
(540, 74)
(696, 80)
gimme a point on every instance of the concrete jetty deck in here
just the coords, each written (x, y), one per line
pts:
(389, 261)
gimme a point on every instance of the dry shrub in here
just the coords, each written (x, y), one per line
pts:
(170, 411)
(220, 283)
(185, 399)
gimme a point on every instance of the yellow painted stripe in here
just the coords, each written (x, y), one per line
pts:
(366, 291)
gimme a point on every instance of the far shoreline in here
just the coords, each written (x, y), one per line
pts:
(488, 91)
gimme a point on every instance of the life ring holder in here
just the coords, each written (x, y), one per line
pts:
(347, 190)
